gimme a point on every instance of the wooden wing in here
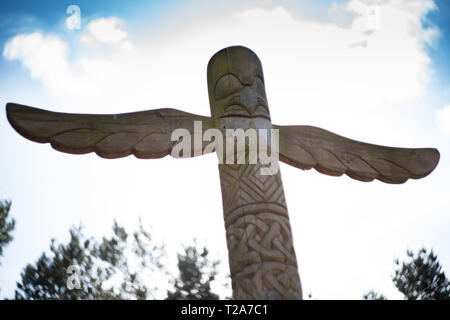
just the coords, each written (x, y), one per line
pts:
(145, 134)
(307, 147)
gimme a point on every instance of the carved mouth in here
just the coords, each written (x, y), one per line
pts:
(241, 111)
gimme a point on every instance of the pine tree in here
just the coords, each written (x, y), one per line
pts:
(373, 295)
(196, 273)
(419, 278)
(88, 269)
(7, 225)
(422, 277)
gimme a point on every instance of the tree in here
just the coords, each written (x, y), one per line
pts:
(419, 278)
(196, 273)
(422, 277)
(6, 225)
(89, 269)
(373, 295)
(117, 267)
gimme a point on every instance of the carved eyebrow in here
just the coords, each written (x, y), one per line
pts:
(237, 78)
(227, 75)
(229, 85)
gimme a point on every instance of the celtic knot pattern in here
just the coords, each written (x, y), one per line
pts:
(259, 238)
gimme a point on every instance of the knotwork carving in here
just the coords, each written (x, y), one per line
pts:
(259, 238)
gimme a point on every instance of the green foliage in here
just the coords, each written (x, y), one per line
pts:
(196, 273)
(373, 295)
(6, 225)
(117, 267)
(103, 268)
(422, 277)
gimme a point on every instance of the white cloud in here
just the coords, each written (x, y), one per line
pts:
(340, 15)
(107, 31)
(356, 69)
(44, 56)
(443, 119)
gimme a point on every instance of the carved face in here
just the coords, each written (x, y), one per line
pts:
(236, 85)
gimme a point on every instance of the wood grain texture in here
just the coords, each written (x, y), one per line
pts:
(262, 259)
(261, 254)
(307, 147)
(145, 134)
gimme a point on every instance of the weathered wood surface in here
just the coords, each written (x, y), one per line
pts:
(145, 134)
(263, 263)
(261, 253)
(259, 237)
(307, 147)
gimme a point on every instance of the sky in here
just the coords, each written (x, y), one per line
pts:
(374, 71)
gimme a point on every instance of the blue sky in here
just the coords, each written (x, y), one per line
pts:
(441, 53)
(326, 64)
(25, 16)
(48, 14)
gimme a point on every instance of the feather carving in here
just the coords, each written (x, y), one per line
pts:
(145, 134)
(307, 147)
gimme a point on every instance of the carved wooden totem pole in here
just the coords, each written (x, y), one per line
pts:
(262, 260)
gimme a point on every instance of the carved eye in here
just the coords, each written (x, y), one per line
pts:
(258, 85)
(227, 85)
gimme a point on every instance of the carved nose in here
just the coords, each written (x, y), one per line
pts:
(249, 99)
